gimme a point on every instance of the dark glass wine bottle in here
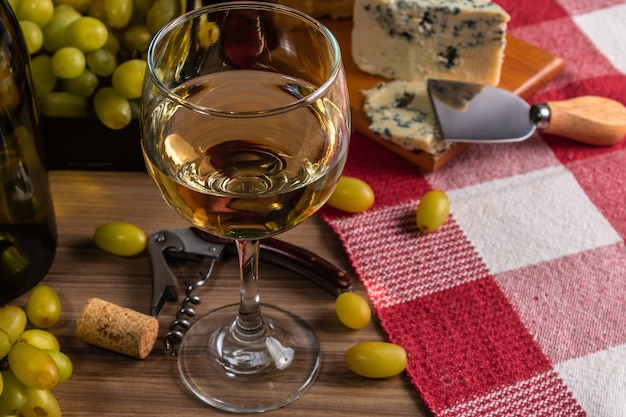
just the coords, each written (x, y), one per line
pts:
(28, 235)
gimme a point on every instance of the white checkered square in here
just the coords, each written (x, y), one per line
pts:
(526, 219)
(602, 27)
(598, 381)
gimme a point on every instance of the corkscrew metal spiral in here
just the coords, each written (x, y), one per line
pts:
(181, 323)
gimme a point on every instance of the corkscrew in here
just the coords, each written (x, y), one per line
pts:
(191, 244)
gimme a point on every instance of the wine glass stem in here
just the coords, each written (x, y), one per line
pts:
(249, 324)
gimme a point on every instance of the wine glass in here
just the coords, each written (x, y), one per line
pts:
(245, 130)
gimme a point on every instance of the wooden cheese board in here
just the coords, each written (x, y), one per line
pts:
(525, 70)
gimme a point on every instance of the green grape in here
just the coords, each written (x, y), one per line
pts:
(32, 35)
(37, 11)
(352, 310)
(117, 13)
(112, 44)
(68, 62)
(39, 338)
(64, 363)
(127, 79)
(86, 33)
(376, 359)
(112, 109)
(351, 195)
(160, 13)
(40, 403)
(43, 307)
(142, 6)
(54, 30)
(101, 62)
(120, 238)
(5, 343)
(13, 321)
(13, 395)
(33, 367)
(84, 85)
(432, 211)
(63, 104)
(136, 38)
(44, 79)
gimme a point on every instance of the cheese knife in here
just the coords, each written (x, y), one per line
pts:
(467, 112)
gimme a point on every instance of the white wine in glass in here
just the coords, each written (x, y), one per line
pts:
(245, 130)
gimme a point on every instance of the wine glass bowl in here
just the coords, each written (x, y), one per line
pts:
(245, 129)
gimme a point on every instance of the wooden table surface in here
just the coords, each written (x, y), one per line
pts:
(109, 384)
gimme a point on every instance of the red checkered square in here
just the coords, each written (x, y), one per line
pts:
(465, 342)
(576, 7)
(569, 303)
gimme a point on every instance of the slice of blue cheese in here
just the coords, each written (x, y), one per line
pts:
(460, 40)
(400, 112)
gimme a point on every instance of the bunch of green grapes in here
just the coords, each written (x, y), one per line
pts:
(31, 361)
(88, 56)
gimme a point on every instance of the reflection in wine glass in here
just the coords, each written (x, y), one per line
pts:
(245, 130)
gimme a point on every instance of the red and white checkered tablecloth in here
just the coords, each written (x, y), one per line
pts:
(517, 305)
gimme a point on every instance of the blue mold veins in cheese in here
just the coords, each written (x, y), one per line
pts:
(460, 40)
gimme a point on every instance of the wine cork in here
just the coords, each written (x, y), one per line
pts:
(118, 329)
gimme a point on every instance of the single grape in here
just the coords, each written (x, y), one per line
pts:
(351, 195)
(86, 34)
(84, 85)
(39, 338)
(101, 62)
(127, 79)
(142, 6)
(40, 403)
(113, 44)
(33, 367)
(44, 79)
(160, 13)
(54, 30)
(63, 104)
(112, 109)
(13, 321)
(352, 310)
(5, 344)
(37, 11)
(376, 359)
(64, 363)
(120, 238)
(136, 38)
(43, 307)
(68, 62)
(32, 35)
(117, 13)
(432, 211)
(13, 395)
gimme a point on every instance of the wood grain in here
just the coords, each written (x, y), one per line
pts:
(525, 70)
(106, 384)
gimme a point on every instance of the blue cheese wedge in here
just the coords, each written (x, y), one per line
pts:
(400, 112)
(460, 40)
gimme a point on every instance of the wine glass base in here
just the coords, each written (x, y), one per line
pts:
(244, 377)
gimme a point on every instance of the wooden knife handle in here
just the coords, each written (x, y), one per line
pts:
(589, 119)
